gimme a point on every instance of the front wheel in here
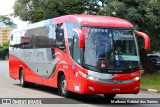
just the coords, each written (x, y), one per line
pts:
(109, 96)
(62, 87)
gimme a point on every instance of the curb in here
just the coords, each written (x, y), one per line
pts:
(151, 90)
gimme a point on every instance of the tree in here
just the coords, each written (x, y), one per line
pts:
(36, 10)
(4, 51)
(6, 20)
(143, 14)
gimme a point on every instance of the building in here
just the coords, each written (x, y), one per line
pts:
(5, 33)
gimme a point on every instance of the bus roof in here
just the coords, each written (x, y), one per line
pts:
(40, 24)
(93, 20)
(35, 25)
(85, 20)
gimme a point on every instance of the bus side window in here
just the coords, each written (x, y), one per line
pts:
(60, 37)
(52, 33)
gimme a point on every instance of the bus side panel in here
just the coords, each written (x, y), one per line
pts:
(12, 67)
(61, 66)
(52, 82)
(30, 76)
(74, 79)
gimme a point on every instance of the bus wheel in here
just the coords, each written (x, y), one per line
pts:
(22, 82)
(109, 96)
(62, 87)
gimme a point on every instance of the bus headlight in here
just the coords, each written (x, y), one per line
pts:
(83, 74)
(88, 76)
(92, 78)
(108, 81)
(136, 78)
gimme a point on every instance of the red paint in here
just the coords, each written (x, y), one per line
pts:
(100, 88)
(146, 39)
(71, 69)
(92, 20)
(81, 37)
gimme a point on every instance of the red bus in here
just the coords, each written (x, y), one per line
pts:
(84, 54)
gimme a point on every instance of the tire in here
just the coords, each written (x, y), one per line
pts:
(23, 83)
(62, 87)
(109, 96)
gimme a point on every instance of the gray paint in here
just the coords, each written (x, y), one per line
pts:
(40, 61)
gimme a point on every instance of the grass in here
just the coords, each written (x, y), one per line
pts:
(151, 81)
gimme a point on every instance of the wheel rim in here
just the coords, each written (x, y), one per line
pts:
(63, 86)
(21, 79)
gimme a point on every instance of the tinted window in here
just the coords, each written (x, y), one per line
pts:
(76, 50)
(41, 37)
(70, 33)
(60, 41)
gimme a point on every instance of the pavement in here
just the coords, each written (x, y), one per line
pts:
(151, 90)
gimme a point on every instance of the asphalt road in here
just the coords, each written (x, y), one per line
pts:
(10, 88)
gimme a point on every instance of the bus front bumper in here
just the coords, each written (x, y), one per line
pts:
(93, 87)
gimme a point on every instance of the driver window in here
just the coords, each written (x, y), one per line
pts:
(76, 50)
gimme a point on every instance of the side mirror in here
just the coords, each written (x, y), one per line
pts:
(80, 36)
(146, 39)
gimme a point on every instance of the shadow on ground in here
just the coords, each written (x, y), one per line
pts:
(73, 99)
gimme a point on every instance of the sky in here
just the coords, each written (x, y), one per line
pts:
(6, 8)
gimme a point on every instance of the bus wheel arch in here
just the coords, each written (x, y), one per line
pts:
(23, 83)
(62, 84)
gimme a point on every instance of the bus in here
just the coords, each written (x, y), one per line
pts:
(84, 54)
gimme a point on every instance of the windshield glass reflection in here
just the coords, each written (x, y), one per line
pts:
(110, 48)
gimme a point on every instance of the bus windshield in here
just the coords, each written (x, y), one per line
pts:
(110, 49)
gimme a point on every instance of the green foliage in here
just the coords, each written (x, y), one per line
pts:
(6, 20)
(4, 51)
(36, 10)
(143, 14)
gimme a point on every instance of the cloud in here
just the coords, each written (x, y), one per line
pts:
(6, 7)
